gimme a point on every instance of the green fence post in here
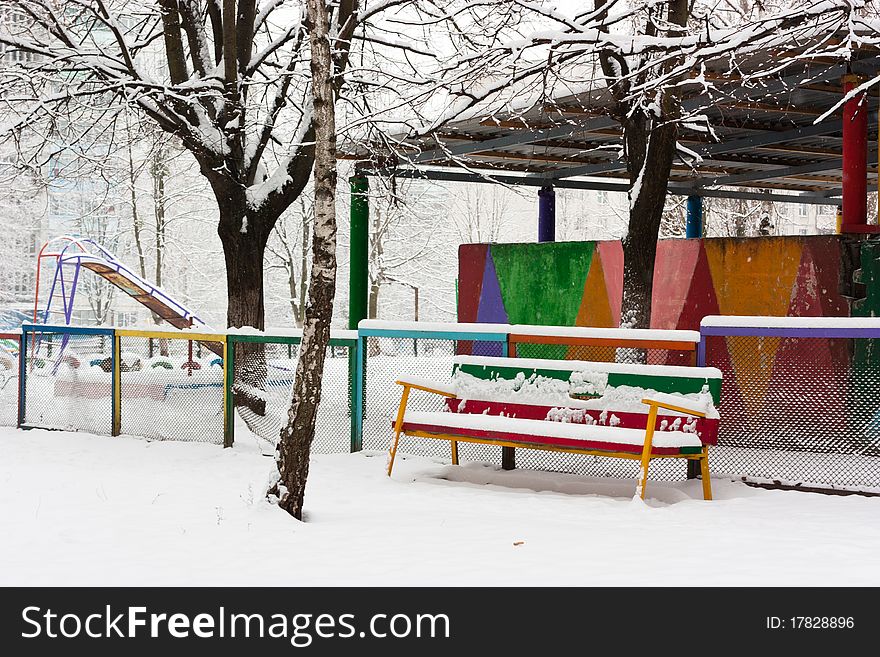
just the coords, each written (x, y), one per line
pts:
(228, 379)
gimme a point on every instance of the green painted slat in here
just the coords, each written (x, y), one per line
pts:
(683, 385)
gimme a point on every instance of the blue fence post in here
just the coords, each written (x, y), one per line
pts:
(22, 373)
(357, 415)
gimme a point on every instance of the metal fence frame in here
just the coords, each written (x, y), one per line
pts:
(40, 329)
(13, 335)
(782, 327)
(495, 333)
(674, 341)
(351, 343)
(159, 334)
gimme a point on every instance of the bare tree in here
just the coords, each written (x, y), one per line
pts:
(289, 250)
(294, 447)
(479, 213)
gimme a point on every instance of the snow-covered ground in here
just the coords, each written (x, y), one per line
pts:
(79, 509)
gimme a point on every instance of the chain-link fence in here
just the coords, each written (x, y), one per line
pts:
(10, 344)
(68, 379)
(603, 353)
(388, 358)
(798, 410)
(171, 387)
(263, 388)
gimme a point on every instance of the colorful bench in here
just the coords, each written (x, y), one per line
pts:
(638, 412)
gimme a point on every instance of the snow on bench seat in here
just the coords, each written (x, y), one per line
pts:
(700, 406)
(561, 434)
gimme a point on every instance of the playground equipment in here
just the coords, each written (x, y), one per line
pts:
(78, 253)
(72, 254)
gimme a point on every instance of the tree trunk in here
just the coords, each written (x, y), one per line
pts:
(296, 437)
(243, 247)
(650, 143)
(647, 199)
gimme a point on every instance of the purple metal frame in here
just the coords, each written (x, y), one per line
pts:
(781, 332)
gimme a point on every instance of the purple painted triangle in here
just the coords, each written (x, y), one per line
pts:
(491, 308)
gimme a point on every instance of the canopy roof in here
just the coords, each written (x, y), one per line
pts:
(768, 143)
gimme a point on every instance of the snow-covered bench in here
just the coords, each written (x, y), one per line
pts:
(639, 412)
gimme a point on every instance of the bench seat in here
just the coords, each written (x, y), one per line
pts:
(542, 433)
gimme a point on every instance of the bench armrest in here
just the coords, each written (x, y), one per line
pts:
(676, 403)
(417, 383)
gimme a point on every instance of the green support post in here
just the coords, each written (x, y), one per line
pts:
(358, 280)
(358, 274)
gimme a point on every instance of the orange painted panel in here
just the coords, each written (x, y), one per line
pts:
(595, 310)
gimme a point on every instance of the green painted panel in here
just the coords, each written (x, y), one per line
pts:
(667, 384)
(542, 284)
(683, 385)
(862, 400)
(483, 372)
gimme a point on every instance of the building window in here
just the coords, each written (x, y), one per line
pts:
(602, 197)
(803, 210)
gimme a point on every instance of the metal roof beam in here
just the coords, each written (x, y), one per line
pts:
(528, 136)
(813, 198)
(746, 143)
(784, 172)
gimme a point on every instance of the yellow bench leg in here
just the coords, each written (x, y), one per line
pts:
(454, 452)
(398, 426)
(704, 473)
(646, 450)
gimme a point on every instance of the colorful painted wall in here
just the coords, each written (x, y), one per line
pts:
(580, 284)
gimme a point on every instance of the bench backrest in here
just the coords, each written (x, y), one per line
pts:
(583, 391)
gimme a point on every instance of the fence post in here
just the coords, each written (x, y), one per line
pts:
(508, 455)
(116, 385)
(22, 373)
(359, 372)
(228, 376)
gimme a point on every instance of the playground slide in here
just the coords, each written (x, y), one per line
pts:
(80, 254)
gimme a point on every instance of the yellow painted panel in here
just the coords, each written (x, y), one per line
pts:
(754, 277)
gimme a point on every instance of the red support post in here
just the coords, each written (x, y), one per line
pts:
(855, 156)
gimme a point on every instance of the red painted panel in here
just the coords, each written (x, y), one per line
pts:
(707, 428)
(673, 273)
(471, 263)
(611, 253)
